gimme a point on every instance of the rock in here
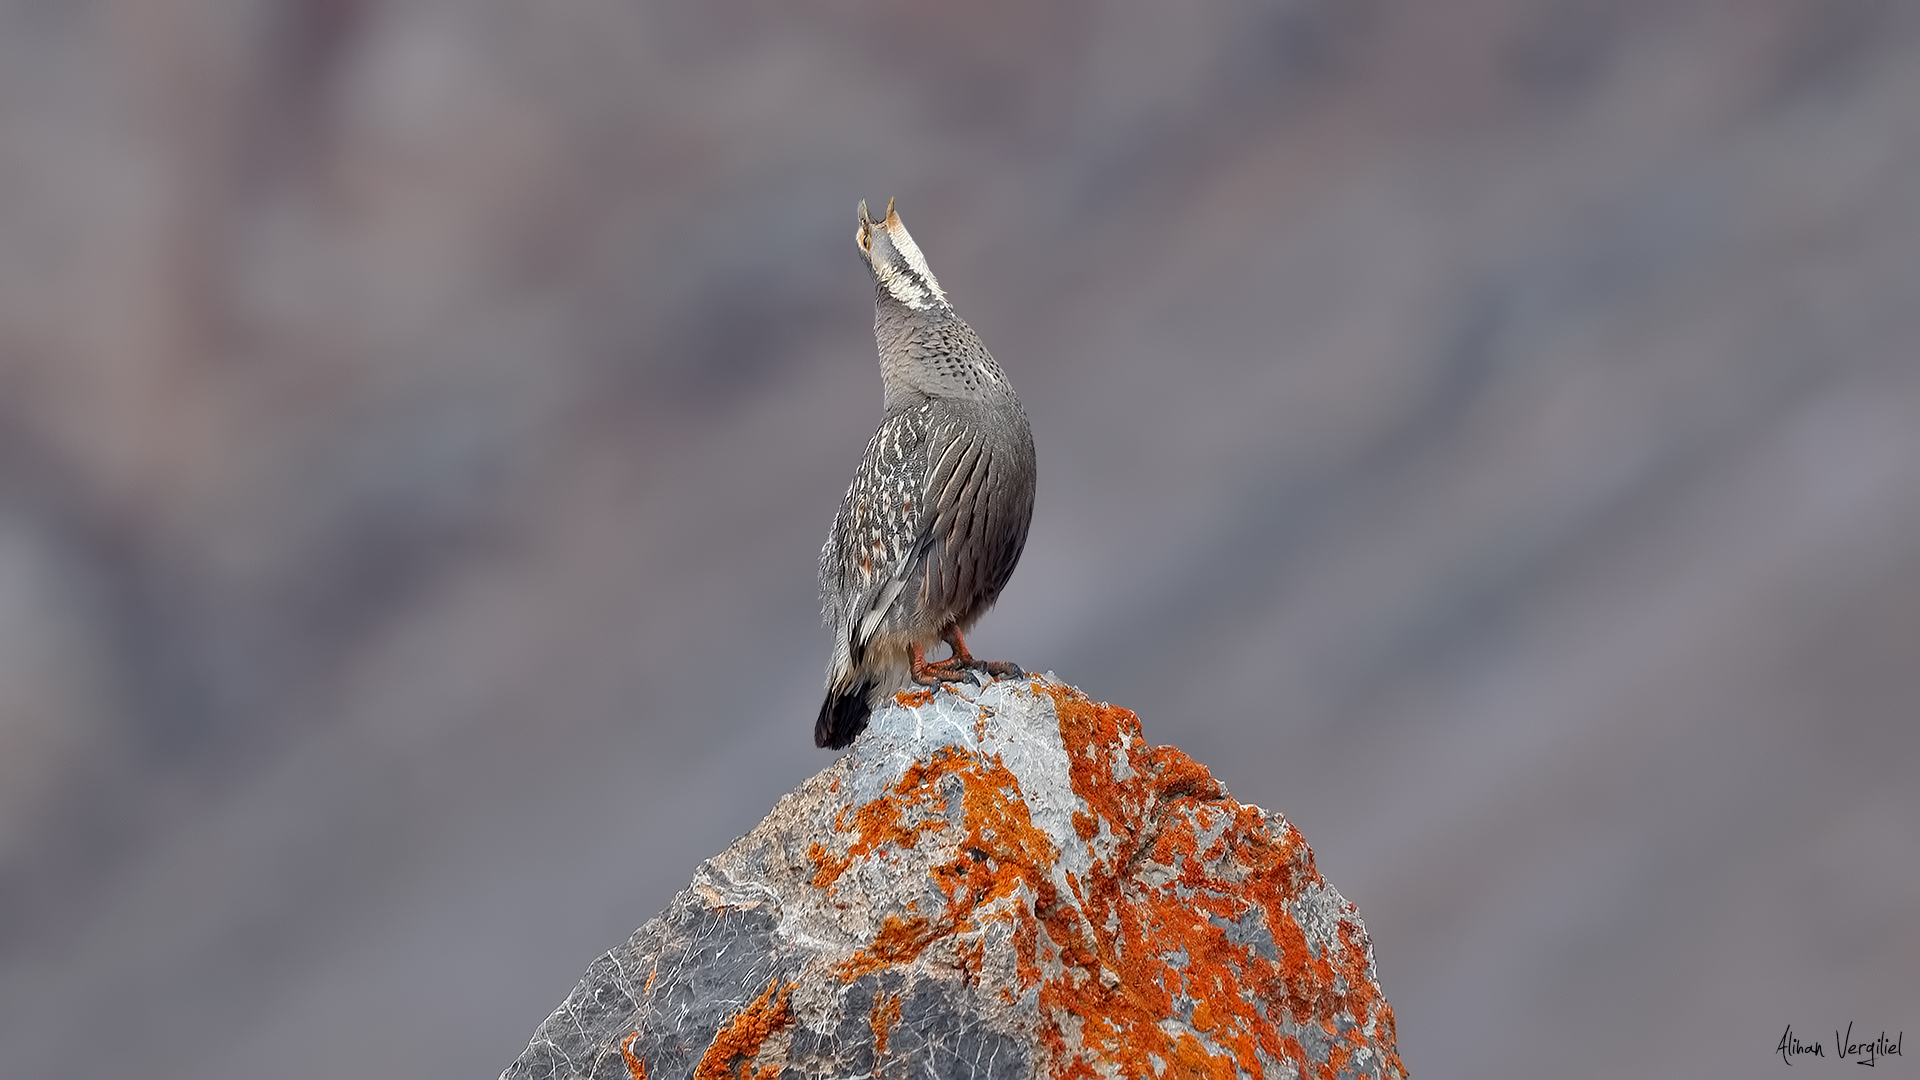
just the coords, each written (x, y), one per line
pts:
(1004, 881)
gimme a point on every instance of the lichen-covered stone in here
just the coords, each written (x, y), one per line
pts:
(1004, 881)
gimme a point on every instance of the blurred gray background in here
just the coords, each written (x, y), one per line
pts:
(1488, 432)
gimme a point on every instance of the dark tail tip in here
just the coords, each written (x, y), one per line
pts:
(843, 716)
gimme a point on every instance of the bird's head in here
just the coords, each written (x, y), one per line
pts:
(899, 270)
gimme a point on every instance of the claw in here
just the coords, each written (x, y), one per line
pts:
(963, 660)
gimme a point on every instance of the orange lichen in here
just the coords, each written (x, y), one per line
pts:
(827, 869)
(741, 1037)
(913, 699)
(1085, 826)
(1113, 952)
(899, 941)
(636, 1069)
(1000, 852)
(970, 956)
(1164, 808)
(980, 722)
(885, 1014)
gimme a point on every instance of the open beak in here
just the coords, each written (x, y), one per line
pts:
(867, 224)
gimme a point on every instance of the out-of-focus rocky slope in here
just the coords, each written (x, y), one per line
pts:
(420, 418)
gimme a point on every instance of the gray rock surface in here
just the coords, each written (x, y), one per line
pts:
(997, 881)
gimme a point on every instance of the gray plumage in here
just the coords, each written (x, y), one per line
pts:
(937, 515)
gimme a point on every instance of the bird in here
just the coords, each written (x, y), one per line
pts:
(937, 514)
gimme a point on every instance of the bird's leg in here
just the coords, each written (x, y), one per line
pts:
(959, 662)
(965, 661)
(960, 657)
(932, 674)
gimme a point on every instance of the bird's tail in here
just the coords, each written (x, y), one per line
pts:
(843, 715)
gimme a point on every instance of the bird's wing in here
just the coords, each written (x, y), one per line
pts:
(958, 516)
(980, 503)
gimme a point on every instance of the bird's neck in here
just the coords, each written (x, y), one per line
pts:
(926, 355)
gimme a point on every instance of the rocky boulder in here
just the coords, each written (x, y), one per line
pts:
(997, 881)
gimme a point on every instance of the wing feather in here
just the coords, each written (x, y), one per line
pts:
(955, 510)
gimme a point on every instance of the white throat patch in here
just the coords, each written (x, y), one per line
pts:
(916, 286)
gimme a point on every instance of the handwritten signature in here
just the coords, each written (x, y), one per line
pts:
(1844, 1048)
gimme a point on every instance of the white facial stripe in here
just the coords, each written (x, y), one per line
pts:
(903, 243)
(902, 286)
